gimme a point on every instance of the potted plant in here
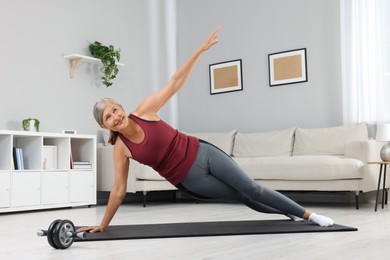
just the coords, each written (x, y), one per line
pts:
(31, 124)
(109, 56)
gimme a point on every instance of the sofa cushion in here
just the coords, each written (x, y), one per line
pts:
(144, 172)
(310, 167)
(327, 141)
(222, 140)
(276, 143)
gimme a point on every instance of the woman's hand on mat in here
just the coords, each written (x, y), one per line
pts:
(91, 229)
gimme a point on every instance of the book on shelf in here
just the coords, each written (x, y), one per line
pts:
(71, 160)
(18, 158)
(15, 157)
(82, 165)
(21, 159)
(82, 162)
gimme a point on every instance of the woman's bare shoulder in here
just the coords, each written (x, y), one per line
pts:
(121, 150)
(145, 116)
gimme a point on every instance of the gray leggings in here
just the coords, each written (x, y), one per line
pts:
(214, 175)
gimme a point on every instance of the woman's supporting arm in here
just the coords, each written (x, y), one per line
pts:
(118, 190)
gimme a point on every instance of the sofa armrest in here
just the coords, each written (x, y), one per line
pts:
(131, 177)
(106, 169)
(366, 151)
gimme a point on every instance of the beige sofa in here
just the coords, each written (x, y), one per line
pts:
(295, 159)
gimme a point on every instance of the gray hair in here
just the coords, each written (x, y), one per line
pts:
(98, 110)
(99, 107)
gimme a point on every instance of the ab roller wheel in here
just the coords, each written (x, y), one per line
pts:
(50, 233)
(61, 234)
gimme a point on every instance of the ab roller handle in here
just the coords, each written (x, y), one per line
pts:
(61, 234)
(82, 235)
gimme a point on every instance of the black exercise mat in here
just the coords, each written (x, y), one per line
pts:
(197, 229)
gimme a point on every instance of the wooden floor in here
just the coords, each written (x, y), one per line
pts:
(19, 240)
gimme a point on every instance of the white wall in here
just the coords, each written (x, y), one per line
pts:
(252, 29)
(34, 79)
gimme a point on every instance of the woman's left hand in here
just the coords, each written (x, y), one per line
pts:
(91, 229)
(211, 40)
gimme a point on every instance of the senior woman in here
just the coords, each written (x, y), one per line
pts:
(192, 165)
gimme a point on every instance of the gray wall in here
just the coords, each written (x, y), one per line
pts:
(251, 29)
(35, 82)
(34, 77)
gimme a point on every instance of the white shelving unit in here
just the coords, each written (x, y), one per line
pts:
(38, 187)
(74, 59)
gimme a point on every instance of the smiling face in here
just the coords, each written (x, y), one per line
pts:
(114, 117)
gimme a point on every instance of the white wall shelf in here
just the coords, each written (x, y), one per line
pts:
(37, 187)
(74, 59)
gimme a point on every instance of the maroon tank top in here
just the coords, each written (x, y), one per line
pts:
(165, 149)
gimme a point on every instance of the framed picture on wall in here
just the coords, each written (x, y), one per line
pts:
(226, 77)
(287, 67)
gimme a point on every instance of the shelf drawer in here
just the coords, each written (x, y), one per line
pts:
(26, 189)
(55, 187)
(5, 189)
(82, 186)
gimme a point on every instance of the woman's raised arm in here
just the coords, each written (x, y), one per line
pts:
(150, 106)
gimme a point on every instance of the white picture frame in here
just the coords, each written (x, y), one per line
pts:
(49, 157)
(225, 76)
(287, 67)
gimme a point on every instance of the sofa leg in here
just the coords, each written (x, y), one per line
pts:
(357, 199)
(144, 198)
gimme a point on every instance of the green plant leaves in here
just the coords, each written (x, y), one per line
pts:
(108, 55)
